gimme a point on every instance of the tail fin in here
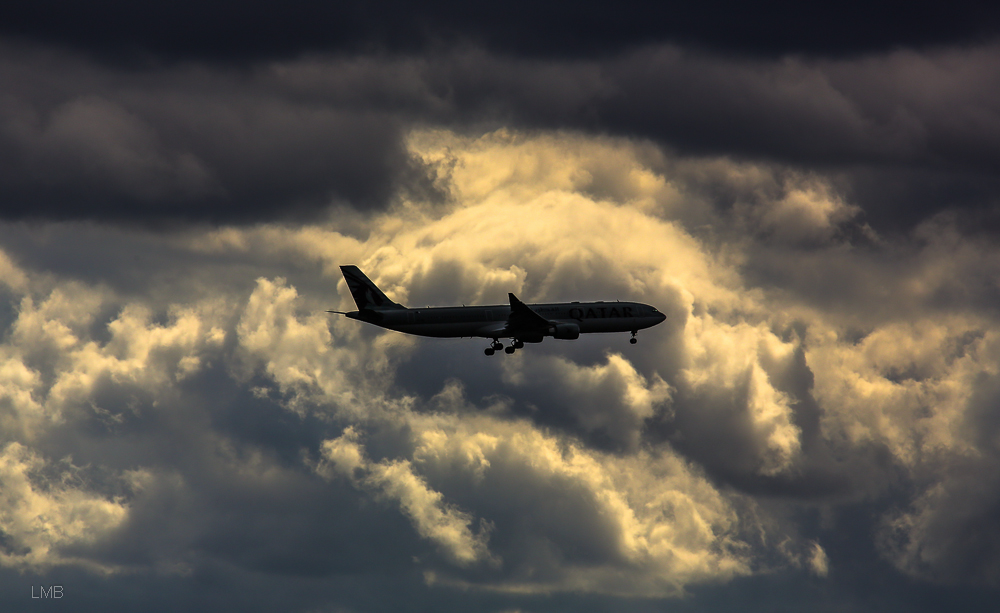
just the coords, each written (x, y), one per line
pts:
(366, 294)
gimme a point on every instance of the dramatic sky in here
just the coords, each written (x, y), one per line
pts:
(810, 193)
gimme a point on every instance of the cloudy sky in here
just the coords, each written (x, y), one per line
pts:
(809, 193)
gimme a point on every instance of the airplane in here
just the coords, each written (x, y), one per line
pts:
(522, 323)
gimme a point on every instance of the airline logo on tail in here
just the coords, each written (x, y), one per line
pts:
(366, 294)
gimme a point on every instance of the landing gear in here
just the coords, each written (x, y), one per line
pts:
(633, 340)
(496, 345)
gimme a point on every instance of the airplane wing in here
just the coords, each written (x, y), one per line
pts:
(522, 322)
(522, 319)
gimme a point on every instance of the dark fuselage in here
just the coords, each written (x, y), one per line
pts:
(489, 321)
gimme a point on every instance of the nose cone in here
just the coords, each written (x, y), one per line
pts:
(660, 317)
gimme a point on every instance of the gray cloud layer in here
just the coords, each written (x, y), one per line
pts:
(904, 135)
(179, 413)
(180, 421)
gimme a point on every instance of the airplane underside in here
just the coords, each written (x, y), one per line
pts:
(518, 339)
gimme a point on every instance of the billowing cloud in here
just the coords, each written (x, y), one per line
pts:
(612, 401)
(559, 517)
(206, 413)
(443, 524)
(40, 519)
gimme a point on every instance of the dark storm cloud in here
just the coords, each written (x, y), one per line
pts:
(905, 134)
(949, 534)
(232, 31)
(81, 141)
(902, 134)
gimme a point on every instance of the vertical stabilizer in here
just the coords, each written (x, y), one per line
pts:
(366, 295)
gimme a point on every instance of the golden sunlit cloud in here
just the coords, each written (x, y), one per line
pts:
(571, 467)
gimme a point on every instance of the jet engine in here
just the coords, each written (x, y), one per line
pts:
(565, 331)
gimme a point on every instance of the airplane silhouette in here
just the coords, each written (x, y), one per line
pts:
(520, 322)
